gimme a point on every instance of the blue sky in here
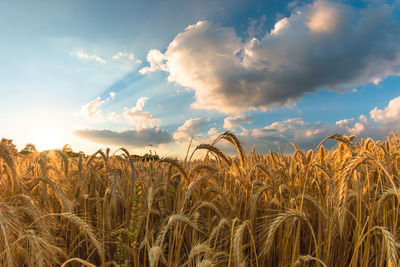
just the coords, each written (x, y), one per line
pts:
(132, 73)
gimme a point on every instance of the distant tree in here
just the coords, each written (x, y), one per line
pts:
(68, 151)
(28, 149)
(145, 157)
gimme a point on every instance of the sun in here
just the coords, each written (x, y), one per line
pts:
(47, 136)
(47, 140)
(47, 129)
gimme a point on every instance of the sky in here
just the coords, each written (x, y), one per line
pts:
(152, 75)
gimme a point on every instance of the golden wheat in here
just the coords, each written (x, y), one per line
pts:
(322, 207)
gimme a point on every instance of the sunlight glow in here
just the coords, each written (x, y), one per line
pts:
(47, 130)
(47, 140)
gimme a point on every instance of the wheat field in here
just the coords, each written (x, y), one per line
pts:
(322, 207)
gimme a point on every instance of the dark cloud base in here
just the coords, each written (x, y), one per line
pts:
(132, 138)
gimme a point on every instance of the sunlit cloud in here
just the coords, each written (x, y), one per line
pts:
(280, 26)
(320, 45)
(190, 129)
(353, 127)
(138, 117)
(111, 96)
(113, 116)
(308, 135)
(325, 17)
(390, 114)
(156, 60)
(237, 121)
(92, 109)
(126, 55)
(85, 56)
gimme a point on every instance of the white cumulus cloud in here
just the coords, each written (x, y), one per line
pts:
(191, 128)
(235, 121)
(138, 117)
(156, 60)
(92, 109)
(390, 114)
(113, 116)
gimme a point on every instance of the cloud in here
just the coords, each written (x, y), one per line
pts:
(131, 138)
(156, 60)
(307, 135)
(279, 134)
(320, 45)
(325, 17)
(235, 121)
(111, 96)
(113, 116)
(82, 55)
(376, 80)
(138, 117)
(257, 27)
(191, 128)
(390, 114)
(129, 56)
(92, 109)
(213, 133)
(135, 116)
(279, 26)
(353, 127)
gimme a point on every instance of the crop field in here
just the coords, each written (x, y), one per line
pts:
(322, 207)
